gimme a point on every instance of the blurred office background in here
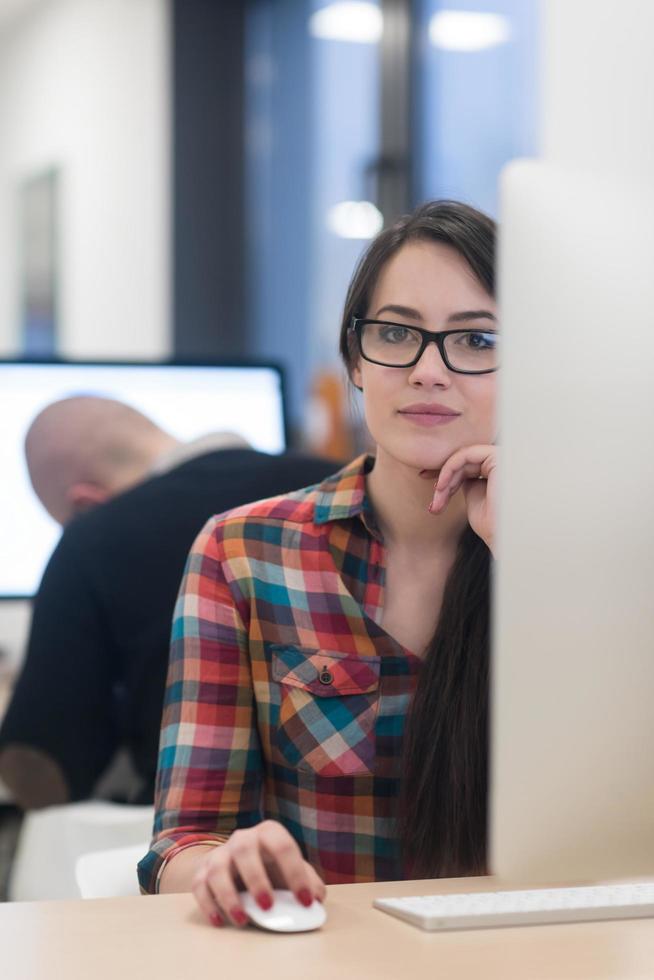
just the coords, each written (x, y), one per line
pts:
(198, 178)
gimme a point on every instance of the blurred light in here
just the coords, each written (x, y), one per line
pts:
(354, 21)
(462, 30)
(355, 219)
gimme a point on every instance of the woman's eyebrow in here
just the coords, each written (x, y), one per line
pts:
(400, 311)
(462, 317)
(471, 315)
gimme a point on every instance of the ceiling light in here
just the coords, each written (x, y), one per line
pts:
(463, 30)
(355, 219)
(355, 21)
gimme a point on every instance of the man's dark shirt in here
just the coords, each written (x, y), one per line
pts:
(94, 675)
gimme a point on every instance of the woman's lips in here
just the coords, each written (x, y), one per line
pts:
(429, 418)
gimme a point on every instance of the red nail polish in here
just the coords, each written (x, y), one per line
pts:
(264, 901)
(217, 920)
(305, 897)
(238, 916)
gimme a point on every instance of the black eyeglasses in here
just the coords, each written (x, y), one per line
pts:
(397, 345)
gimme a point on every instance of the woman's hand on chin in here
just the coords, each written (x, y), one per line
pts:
(474, 469)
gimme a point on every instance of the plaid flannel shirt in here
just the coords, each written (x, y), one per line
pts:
(285, 699)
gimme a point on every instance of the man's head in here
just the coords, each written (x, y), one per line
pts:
(82, 451)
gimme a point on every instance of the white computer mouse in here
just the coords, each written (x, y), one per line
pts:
(286, 914)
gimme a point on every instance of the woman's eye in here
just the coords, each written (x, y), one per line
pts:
(395, 335)
(479, 341)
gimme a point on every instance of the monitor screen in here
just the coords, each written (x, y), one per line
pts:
(186, 400)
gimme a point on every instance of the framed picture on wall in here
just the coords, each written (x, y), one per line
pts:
(39, 262)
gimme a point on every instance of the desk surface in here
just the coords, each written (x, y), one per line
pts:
(164, 937)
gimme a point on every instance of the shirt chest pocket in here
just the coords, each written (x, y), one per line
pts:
(327, 711)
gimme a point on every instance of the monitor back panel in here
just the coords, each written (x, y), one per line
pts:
(573, 662)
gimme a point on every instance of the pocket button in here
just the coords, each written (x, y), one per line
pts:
(326, 677)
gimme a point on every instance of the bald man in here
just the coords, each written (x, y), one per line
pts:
(132, 499)
(81, 451)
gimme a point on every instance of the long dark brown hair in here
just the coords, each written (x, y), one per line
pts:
(443, 802)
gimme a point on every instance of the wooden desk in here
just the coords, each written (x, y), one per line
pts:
(164, 937)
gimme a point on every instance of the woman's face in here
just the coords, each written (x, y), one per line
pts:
(426, 284)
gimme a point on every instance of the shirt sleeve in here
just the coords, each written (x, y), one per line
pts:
(209, 777)
(62, 704)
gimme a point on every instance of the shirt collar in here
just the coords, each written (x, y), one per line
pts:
(344, 495)
(208, 443)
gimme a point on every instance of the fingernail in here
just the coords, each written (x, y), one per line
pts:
(264, 901)
(217, 920)
(238, 916)
(304, 897)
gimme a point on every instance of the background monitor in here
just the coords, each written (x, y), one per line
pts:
(187, 400)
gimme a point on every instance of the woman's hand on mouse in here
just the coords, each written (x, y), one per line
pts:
(258, 860)
(474, 468)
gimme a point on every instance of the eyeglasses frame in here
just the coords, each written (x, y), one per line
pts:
(428, 337)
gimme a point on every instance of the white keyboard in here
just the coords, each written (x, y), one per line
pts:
(483, 910)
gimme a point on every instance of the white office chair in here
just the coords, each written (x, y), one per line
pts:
(52, 839)
(111, 873)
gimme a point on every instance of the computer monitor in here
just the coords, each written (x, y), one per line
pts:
(187, 400)
(572, 748)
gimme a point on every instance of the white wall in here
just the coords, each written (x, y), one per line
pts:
(599, 103)
(84, 86)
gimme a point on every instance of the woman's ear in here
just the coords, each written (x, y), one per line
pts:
(357, 380)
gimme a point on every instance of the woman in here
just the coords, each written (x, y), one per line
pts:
(307, 625)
